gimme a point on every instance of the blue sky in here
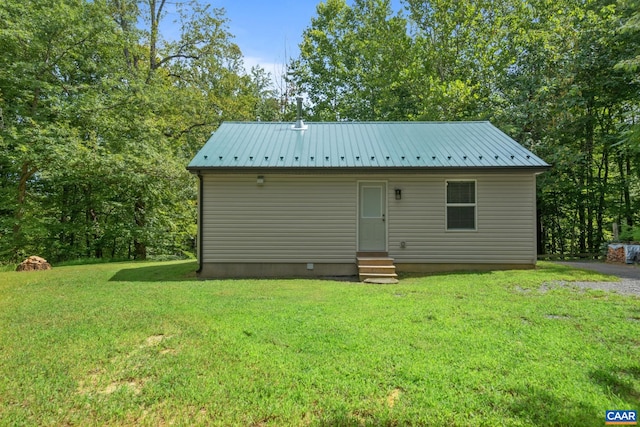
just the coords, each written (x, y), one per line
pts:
(265, 29)
(268, 32)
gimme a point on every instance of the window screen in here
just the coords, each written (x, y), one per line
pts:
(461, 205)
(461, 192)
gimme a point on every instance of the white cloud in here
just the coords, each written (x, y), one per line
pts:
(275, 69)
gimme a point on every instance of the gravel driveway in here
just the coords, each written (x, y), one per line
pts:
(629, 275)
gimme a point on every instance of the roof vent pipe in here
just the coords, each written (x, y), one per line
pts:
(299, 123)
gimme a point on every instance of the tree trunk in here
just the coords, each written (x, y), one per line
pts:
(140, 247)
(582, 237)
(603, 174)
(627, 195)
(155, 11)
(26, 172)
(589, 145)
(624, 166)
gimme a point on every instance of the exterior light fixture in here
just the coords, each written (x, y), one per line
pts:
(260, 180)
(398, 194)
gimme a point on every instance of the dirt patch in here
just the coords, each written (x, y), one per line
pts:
(154, 340)
(623, 287)
(134, 386)
(92, 385)
(629, 274)
(393, 397)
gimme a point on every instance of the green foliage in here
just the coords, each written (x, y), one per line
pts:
(558, 76)
(631, 27)
(630, 234)
(99, 112)
(98, 119)
(351, 60)
(147, 343)
(8, 267)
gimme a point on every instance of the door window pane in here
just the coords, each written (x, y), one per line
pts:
(371, 202)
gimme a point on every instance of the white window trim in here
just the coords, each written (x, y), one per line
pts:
(474, 205)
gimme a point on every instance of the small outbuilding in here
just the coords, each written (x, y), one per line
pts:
(324, 199)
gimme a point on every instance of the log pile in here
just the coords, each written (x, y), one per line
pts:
(34, 263)
(616, 254)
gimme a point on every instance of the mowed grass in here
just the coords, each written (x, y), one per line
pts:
(148, 344)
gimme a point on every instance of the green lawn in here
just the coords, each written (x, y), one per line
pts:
(147, 344)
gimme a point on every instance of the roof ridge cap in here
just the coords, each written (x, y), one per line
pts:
(367, 122)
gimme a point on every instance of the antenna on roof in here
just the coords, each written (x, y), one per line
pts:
(299, 123)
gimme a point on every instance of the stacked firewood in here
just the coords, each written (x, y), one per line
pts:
(616, 254)
(34, 263)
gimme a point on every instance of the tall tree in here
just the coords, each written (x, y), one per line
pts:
(460, 49)
(566, 101)
(45, 73)
(559, 76)
(100, 115)
(353, 62)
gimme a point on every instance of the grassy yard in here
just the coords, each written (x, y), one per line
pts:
(147, 344)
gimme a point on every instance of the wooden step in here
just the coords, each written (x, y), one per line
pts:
(372, 254)
(374, 261)
(376, 268)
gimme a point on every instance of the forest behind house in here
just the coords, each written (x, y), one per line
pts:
(100, 112)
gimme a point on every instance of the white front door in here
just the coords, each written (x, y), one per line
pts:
(372, 222)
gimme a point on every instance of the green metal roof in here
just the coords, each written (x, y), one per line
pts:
(356, 145)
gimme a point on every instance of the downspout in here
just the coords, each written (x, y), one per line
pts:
(200, 216)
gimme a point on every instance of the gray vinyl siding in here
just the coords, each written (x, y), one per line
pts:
(313, 218)
(290, 218)
(506, 220)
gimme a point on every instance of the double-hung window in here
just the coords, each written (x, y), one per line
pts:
(461, 205)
